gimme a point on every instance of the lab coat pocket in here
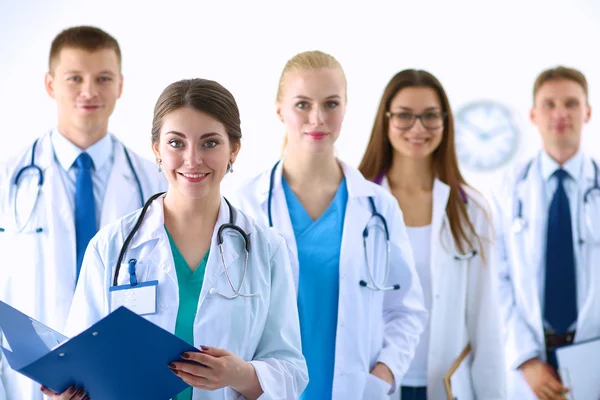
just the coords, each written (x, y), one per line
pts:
(375, 388)
(224, 322)
(27, 251)
(124, 279)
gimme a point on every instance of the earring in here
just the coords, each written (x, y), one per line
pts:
(158, 162)
(230, 167)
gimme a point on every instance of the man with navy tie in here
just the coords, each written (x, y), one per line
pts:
(85, 178)
(549, 275)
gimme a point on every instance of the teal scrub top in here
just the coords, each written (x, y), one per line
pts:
(190, 285)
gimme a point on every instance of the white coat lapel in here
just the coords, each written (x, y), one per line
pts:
(58, 206)
(59, 216)
(587, 321)
(152, 230)
(122, 194)
(358, 215)
(530, 242)
(279, 212)
(231, 258)
(441, 192)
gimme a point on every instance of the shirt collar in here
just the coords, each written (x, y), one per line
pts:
(573, 166)
(66, 152)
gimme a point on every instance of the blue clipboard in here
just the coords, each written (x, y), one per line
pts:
(122, 356)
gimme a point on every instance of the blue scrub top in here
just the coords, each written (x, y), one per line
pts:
(319, 246)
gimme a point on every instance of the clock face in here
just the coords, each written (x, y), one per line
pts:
(486, 135)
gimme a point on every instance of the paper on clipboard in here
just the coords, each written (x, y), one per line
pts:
(579, 369)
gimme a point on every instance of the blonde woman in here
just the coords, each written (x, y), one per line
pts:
(360, 306)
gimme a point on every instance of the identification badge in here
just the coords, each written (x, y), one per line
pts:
(141, 298)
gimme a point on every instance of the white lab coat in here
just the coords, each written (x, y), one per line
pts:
(372, 326)
(263, 330)
(38, 269)
(464, 307)
(523, 254)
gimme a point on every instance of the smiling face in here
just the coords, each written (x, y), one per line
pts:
(410, 136)
(312, 107)
(559, 112)
(85, 85)
(195, 150)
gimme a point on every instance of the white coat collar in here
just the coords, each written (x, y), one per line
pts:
(573, 166)
(66, 152)
(44, 156)
(441, 193)
(357, 185)
(589, 171)
(153, 226)
(152, 233)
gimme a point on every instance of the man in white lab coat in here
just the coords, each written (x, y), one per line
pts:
(550, 280)
(60, 190)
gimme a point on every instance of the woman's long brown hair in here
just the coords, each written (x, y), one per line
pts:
(378, 156)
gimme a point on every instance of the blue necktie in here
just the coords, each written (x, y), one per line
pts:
(85, 206)
(560, 294)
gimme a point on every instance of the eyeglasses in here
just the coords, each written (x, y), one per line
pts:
(406, 119)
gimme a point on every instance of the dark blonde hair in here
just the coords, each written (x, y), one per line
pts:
(378, 155)
(560, 72)
(87, 38)
(201, 95)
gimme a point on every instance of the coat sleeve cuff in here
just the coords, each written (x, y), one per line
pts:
(260, 369)
(388, 360)
(527, 356)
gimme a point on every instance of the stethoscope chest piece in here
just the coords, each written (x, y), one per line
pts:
(24, 203)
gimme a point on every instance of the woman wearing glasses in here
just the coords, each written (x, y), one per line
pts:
(411, 153)
(360, 308)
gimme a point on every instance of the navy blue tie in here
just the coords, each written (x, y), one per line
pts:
(85, 206)
(560, 294)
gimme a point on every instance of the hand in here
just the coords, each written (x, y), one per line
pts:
(220, 368)
(70, 394)
(382, 372)
(542, 379)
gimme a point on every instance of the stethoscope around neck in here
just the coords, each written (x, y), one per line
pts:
(40, 182)
(519, 223)
(237, 292)
(373, 284)
(458, 256)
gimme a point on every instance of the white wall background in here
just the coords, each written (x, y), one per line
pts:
(478, 49)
